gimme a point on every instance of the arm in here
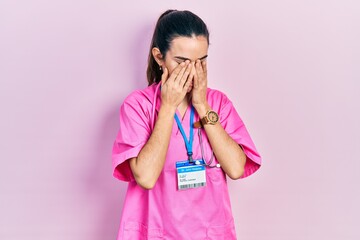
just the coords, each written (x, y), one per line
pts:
(147, 166)
(229, 154)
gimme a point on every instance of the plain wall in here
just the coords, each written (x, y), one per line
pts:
(290, 67)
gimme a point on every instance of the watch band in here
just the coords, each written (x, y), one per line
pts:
(207, 120)
(198, 124)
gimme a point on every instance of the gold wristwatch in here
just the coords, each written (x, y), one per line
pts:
(211, 117)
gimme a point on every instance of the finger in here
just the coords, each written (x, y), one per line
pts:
(187, 84)
(204, 67)
(182, 71)
(164, 76)
(176, 71)
(199, 67)
(186, 74)
(196, 78)
(200, 71)
(192, 74)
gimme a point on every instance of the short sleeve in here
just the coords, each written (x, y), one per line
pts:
(133, 133)
(236, 129)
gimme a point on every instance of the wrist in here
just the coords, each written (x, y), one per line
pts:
(201, 109)
(167, 109)
(209, 118)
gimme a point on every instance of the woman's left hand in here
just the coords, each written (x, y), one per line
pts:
(200, 87)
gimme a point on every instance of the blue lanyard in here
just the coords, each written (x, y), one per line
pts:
(188, 144)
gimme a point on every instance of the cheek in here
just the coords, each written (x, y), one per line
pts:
(171, 66)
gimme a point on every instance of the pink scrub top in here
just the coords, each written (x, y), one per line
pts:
(164, 212)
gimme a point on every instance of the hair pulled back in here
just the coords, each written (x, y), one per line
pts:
(172, 24)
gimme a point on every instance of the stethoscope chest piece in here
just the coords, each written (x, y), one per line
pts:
(197, 162)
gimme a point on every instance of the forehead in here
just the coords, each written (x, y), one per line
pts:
(189, 47)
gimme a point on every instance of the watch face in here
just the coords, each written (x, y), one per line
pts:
(213, 117)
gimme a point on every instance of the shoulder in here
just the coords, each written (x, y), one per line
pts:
(141, 97)
(139, 104)
(217, 98)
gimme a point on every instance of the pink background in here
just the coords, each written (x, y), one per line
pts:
(290, 67)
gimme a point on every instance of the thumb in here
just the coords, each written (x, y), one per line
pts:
(164, 76)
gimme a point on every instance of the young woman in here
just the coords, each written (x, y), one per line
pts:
(178, 140)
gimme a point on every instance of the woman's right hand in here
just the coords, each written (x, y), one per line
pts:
(147, 166)
(174, 88)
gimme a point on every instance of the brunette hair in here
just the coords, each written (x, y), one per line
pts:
(172, 24)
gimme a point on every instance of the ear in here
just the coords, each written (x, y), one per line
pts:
(157, 56)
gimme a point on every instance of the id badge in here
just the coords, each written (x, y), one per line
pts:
(191, 175)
